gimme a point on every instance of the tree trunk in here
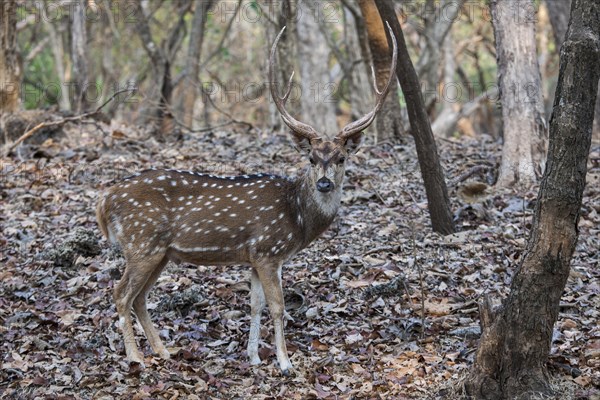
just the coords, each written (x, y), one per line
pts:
(559, 19)
(79, 56)
(516, 340)
(190, 87)
(361, 100)
(523, 117)
(318, 89)
(559, 14)
(389, 120)
(429, 162)
(10, 61)
(58, 52)
(286, 15)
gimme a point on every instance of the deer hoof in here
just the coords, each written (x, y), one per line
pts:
(164, 354)
(255, 361)
(135, 363)
(289, 371)
(135, 357)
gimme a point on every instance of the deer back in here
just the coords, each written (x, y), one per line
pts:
(201, 218)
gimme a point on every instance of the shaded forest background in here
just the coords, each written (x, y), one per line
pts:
(217, 50)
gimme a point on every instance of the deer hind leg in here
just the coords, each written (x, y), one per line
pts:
(141, 312)
(132, 282)
(270, 277)
(257, 305)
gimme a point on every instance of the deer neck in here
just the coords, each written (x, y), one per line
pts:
(315, 210)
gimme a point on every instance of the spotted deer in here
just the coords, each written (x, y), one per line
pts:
(257, 220)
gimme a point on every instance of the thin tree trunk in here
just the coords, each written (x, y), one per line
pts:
(10, 61)
(357, 49)
(523, 117)
(79, 57)
(287, 51)
(559, 18)
(58, 52)
(429, 162)
(318, 89)
(190, 88)
(389, 120)
(516, 339)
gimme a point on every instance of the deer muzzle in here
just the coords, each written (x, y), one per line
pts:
(324, 185)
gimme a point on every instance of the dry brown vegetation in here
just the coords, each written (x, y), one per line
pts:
(355, 296)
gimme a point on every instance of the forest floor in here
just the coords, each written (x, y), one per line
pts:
(381, 307)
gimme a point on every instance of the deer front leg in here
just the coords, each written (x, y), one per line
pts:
(270, 277)
(257, 304)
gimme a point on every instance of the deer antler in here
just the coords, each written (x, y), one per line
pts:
(300, 128)
(362, 123)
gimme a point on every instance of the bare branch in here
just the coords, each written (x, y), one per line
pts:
(9, 147)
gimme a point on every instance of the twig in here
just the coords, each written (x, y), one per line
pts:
(225, 113)
(414, 254)
(10, 147)
(469, 173)
(211, 128)
(419, 269)
(382, 248)
(201, 130)
(266, 14)
(37, 49)
(379, 196)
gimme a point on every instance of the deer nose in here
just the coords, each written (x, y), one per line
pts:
(324, 185)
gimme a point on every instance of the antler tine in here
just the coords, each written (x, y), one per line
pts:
(300, 128)
(289, 88)
(362, 123)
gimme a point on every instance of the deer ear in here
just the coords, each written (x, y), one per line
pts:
(352, 143)
(302, 143)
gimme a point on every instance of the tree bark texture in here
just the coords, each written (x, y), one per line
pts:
(361, 100)
(429, 161)
(58, 53)
(318, 89)
(80, 78)
(559, 11)
(389, 121)
(10, 61)
(190, 89)
(287, 52)
(523, 117)
(516, 340)
(559, 19)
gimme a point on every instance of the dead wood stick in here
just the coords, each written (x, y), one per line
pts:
(469, 173)
(10, 147)
(381, 249)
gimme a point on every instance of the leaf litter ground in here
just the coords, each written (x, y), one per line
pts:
(379, 307)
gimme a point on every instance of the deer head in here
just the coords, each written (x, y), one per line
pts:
(328, 157)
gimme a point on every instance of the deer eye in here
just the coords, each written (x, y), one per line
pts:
(312, 160)
(341, 160)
